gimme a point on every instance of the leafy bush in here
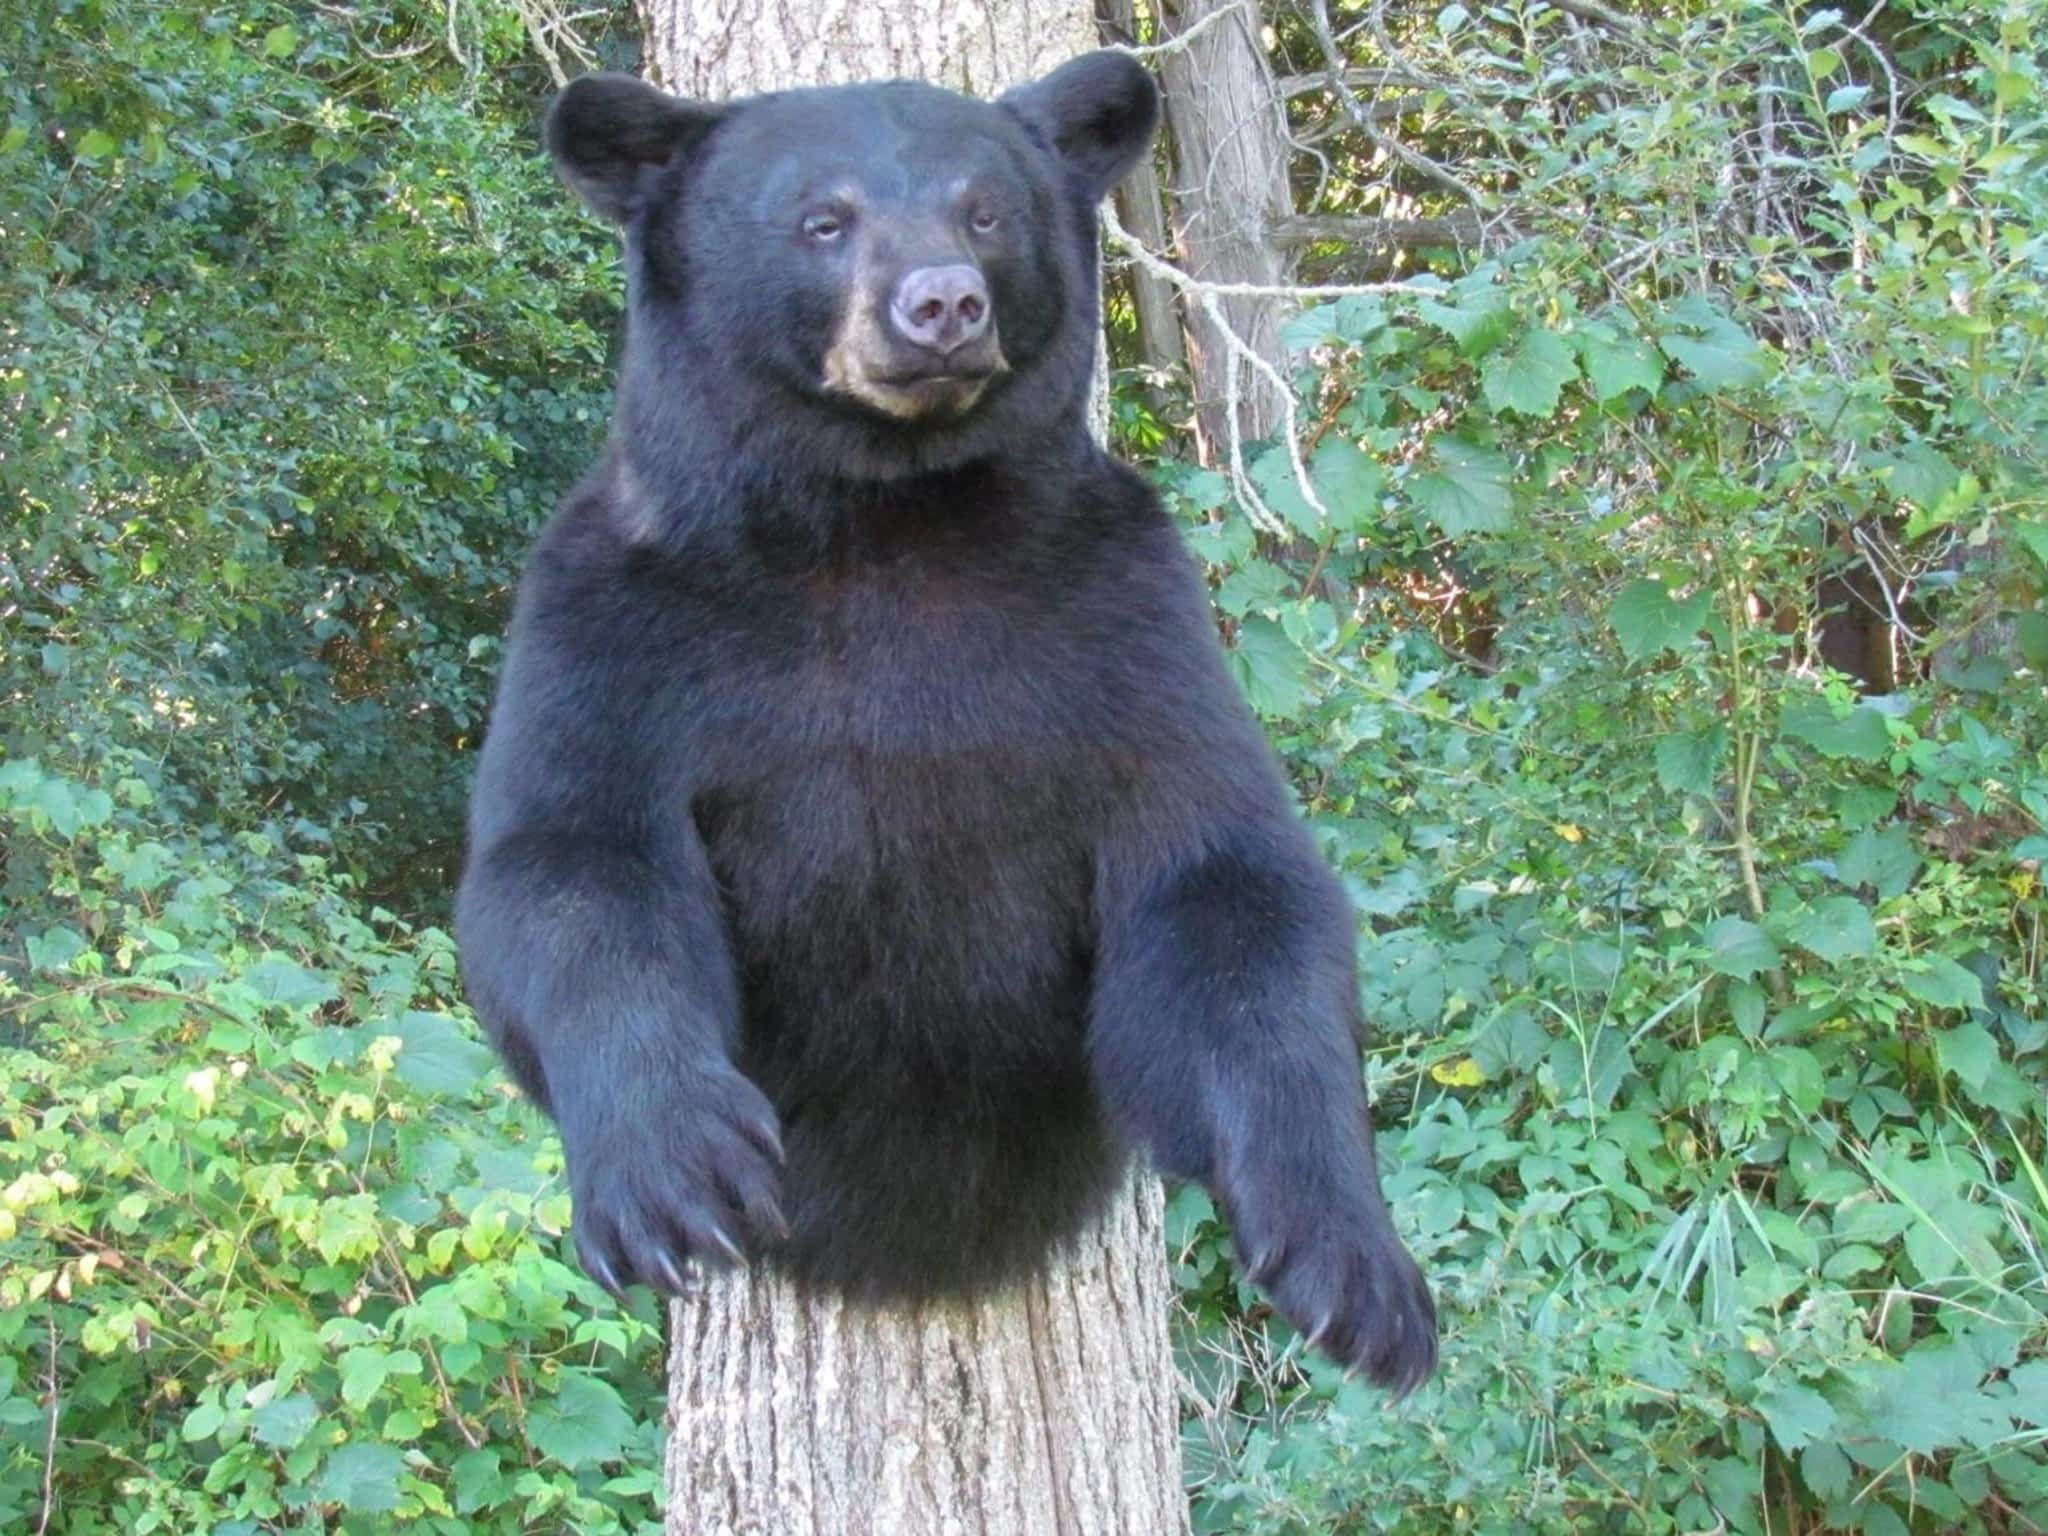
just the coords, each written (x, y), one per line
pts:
(1707, 976)
(296, 347)
(279, 1247)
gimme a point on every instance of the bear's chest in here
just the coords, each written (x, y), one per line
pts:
(908, 804)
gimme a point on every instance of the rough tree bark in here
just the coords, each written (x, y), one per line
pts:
(1141, 207)
(1048, 1411)
(1230, 190)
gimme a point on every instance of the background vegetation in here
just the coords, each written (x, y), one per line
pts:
(1659, 657)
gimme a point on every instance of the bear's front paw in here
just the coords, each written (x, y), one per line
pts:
(667, 1174)
(1341, 1276)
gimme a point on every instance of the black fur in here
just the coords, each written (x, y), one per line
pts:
(870, 842)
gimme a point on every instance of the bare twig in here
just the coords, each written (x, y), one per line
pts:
(50, 1434)
(1422, 165)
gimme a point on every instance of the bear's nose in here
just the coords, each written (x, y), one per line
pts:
(943, 308)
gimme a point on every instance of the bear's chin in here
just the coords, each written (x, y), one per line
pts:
(937, 398)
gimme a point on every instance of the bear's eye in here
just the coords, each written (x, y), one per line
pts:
(824, 227)
(984, 220)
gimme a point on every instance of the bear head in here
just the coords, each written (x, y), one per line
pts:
(865, 281)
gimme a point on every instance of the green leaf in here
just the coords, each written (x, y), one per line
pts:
(1271, 669)
(1843, 97)
(1825, 1469)
(2030, 635)
(1969, 1051)
(284, 1421)
(365, 1369)
(1717, 352)
(1272, 475)
(1617, 361)
(1941, 983)
(584, 1424)
(1797, 1415)
(1834, 928)
(95, 144)
(1532, 378)
(1349, 482)
(1687, 761)
(1851, 1260)
(439, 1056)
(361, 1478)
(479, 1480)
(1480, 321)
(1797, 1071)
(1737, 947)
(281, 980)
(279, 41)
(1647, 619)
(1919, 474)
(1467, 491)
(1881, 858)
(1860, 734)
(203, 1422)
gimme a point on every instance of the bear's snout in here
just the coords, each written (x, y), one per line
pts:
(941, 308)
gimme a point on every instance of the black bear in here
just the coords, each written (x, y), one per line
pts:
(870, 842)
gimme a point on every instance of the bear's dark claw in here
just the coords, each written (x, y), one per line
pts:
(691, 1174)
(1344, 1279)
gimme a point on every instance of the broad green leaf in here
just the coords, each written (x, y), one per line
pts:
(1843, 97)
(282, 980)
(1717, 352)
(1834, 928)
(1883, 858)
(1737, 947)
(583, 1424)
(1797, 1071)
(1969, 1051)
(1280, 488)
(1617, 361)
(1271, 668)
(2030, 635)
(1851, 1260)
(1797, 1414)
(479, 1480)
(1478, 321)
(1825, 1469)
(284, 1421)
(1687, 761)
(1647, 619)
(2033, 537)
(95, 144)
(1933, 1400)
(1467, 490)
(1859, 735)
(362, 1477)
(1919, 474)
(203, 1422)
(438, 1056)
(1530, 379)
(365, 1369)
(1349, 482)
(1941, 983)
(280, 41)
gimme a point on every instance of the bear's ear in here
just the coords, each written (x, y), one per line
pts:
(1099, 111)
(604, 129)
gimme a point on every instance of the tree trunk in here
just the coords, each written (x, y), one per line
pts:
(1229, 189)
(1052, 1409)
(1141, 207)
